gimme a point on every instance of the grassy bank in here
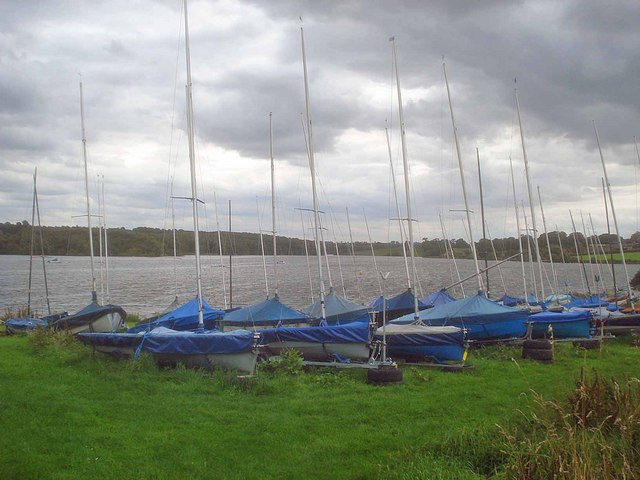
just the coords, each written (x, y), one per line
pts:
(68, 414)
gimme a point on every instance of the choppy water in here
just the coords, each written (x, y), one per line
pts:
(147, 285)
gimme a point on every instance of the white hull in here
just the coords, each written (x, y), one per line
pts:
(107, 323)
(245, 362)
(322, 351)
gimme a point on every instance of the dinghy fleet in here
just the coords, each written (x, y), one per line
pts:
(437, 328)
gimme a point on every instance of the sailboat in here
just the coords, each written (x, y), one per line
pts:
(25, 324)
(270, 312)
(200, 349)
(94, 317)
(323, 342)
(417, 340)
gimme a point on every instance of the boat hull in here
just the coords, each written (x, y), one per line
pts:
(321, 352)
(244, 362)
(562, 329)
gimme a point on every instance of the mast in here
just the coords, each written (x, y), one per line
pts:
(515, 206)
(273, 208)
(484, 232)
(312, 167)
(224, 286)
(100, 251)
(106, 243)
(33, 221)
(405, 164)
(606, 212)
(575, 244)
(306, 254)
(175, 250)
(353, 256)
(94, 295)
(373, 253)
(449, 248)
(462, 179)
(531, 205)
(192, 164)
(264, 261)
(44, 263)
(400, 226)
(546, 236)
(230, 260)
(613, 214)
(566, 277)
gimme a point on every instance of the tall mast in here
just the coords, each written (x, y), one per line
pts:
(175, 249)
(264, 261)
(192, 164)
(106, 243)
(306, 254)
(546, 236)
(33, 231)
(224, 287)
(462, 179)
(585, 278)
(44, 263)
(312, 167)
(515, 206)
(606, 213)
(484, 230)
(273, 207)
(100, 251)
(405, 164)
(353, 255)
(399, 215)
(531, 205)
(94, 295)
(373, 253)
(613, 214)
(449, 248)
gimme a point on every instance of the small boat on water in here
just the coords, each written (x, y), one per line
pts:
(53, 260)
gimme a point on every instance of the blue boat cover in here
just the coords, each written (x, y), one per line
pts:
(185, 317)
(483, 318)
(338, 310)
(15, 325)
(591, 302)
(437, 298)
(270, 312)
(513, 301)
(421, 335)
(555, 317)
(357, 332)
(111, 339)
(402, 301)
(167, 341)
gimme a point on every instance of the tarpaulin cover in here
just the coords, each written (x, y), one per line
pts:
(167, 341)
(23, 324)
(87, 315)
(338, 310)
(513, 301)
(270, 312)
(111, 339)
(591, 302)
(437, 298)
(351, 333)
(185, 317)
(576, 323)
(402, 301)
(483, 318)
(421, 335)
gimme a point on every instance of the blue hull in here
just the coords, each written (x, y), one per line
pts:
(437, 353)
(562, 329)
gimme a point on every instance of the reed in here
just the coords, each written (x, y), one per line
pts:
(594, 433)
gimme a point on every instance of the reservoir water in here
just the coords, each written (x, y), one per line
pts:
(144, 286)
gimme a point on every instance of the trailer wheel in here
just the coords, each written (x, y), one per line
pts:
(588, 344)
(384, 376)
(538, 354)
(536, 345)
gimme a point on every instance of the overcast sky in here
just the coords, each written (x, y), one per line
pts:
(575, 62)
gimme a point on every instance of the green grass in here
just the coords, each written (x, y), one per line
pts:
(68, 414)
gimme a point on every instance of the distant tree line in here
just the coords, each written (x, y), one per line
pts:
(15, 239)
